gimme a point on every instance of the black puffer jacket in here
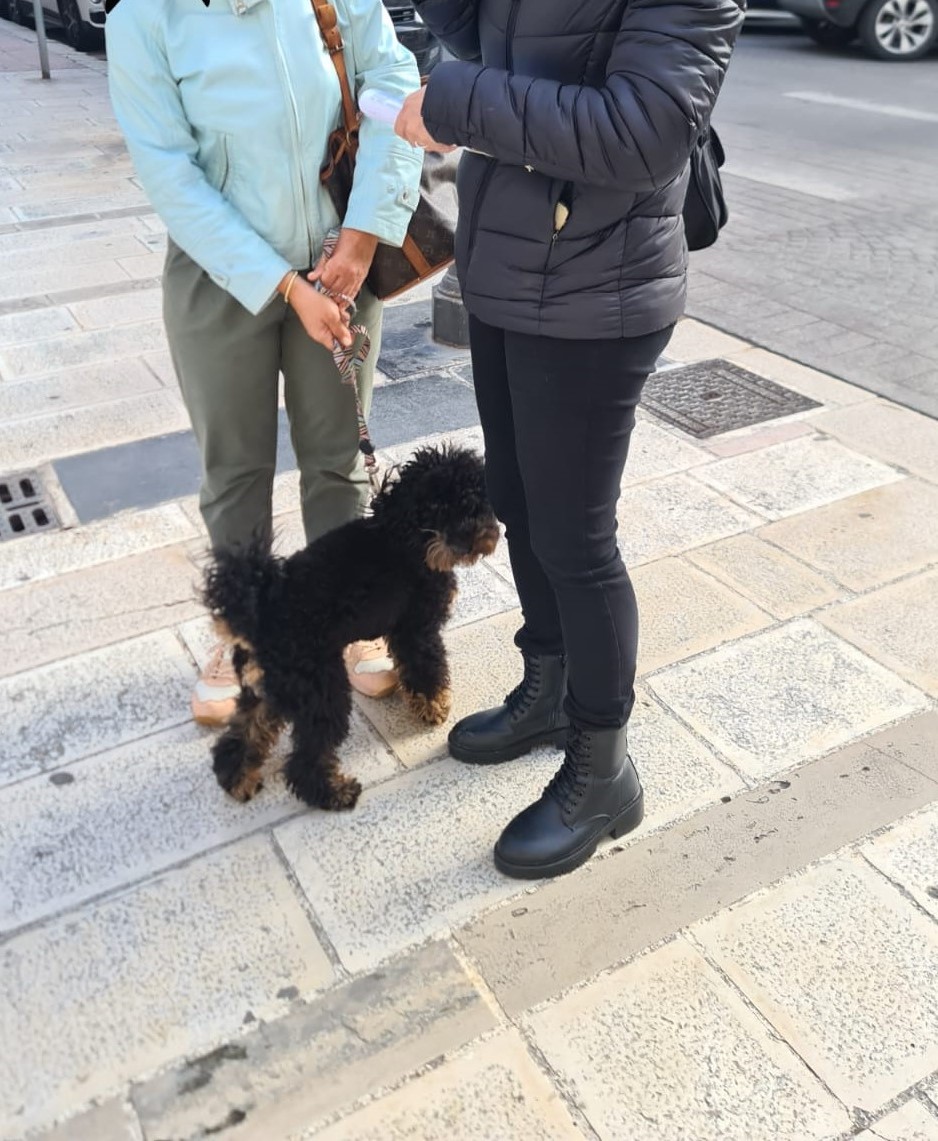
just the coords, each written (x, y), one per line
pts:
(595, 104)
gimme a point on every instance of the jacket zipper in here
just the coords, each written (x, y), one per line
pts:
(295, 125)
(509, 34)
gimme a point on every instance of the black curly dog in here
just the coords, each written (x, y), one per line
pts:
(389, 574)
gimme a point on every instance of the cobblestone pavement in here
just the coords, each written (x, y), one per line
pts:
(832, 255)
(759, 961)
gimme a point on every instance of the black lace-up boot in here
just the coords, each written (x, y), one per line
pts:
(595, 793)
(532, 715)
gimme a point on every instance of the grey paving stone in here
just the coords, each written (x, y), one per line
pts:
(407, 346)
(482, 594)
(908, 854)
(296, 1069)
(78, 706)
(796, 476)
(757, 437)
(74, 388)
(824, 956)
(885, 430)
(684, 612)
(663, 1050)
(784, 696)
(72, 613)
(170, 969)
(672, 515)
(112, 1121)
(654, 452)
(892, 625)
(16, 328)
(912, 1122)
(798, 376)
(869, 539)
(138, 305)
(640, 893)
(41, 557)
(413, 858)
(494, 1090)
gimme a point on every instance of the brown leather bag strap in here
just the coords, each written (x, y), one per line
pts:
(332, 37)
(414, 255)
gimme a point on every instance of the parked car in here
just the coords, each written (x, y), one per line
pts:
(81, 20)
(768, 14)
(895, 30)
(414, 34)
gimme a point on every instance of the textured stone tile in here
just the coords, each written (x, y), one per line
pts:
(912, 1122)
(37, 324)
(694, 341)
(869, 539)
(81, 348)
(484, 666)
(36, 283)
(169, 969)
(784, 696)
(112, 1121)
(44, 556)
(889, 432)
(845, 969)
(41, 438)
(655, 451)
(482, 594)
(139, 305)
(808, 381)
(74, 388)
(664, 1050)
(897, 625)
(72, 708)
(72, 613)
(413, 858)
(59, 250)
(494, 1091)
(753, 439)
(683, 612)
(297, 1069)
(463, 437)
(673, 515)
(796, 476)
(908, 854)
(769, 577)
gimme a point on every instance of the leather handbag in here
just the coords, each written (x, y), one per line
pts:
(705, 212)
(428, 246)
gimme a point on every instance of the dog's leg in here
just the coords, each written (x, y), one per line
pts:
(320, 725)
(417, 648)
(244, 746)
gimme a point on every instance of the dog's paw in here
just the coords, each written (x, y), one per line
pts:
(343, 793)
(430, 710)
(243, 786)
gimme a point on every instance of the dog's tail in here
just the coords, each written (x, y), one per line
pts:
(240, 585)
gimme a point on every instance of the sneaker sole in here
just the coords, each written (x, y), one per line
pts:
(627, 820)
(558, 738)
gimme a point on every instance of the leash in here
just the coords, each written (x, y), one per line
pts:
(350, 362)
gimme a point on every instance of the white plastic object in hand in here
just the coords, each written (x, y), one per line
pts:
(377, 105)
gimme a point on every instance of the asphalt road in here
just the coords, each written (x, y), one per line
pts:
(831, 255)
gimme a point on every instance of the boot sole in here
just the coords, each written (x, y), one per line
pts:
(627, 820)
(558, 737)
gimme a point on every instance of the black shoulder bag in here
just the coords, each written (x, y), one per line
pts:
(705, 212)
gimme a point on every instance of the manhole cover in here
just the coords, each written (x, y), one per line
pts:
(711, 397)
(24, 506)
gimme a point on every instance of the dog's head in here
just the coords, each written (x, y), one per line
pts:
(439, 501)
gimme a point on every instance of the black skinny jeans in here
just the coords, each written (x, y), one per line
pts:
(557, 417)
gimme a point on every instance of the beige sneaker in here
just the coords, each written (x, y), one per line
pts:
(370, 668)
(216, 692)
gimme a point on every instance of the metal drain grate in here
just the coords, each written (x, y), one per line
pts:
(711, 397)
(25, 508)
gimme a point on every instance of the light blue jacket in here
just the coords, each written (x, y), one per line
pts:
(227, 109)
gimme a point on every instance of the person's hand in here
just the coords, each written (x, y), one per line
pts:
(322, 318)
(344, 273)
(411, 128)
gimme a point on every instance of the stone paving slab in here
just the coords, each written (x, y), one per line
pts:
(302, 1067)
(56, 714)
(113, 1121)
(531, 950)
(845, 969)
(908, 854)
(493, 1091)
(663, 1050)
(41, 557)
(897, 435)
(173, 966)
(76, 349)
(656, 452)
(783, 696)
(73, 389)
(912, 1122)
(868, 539)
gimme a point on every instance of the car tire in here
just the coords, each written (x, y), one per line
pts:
(828, 35)
(899, 30)
(78, 34)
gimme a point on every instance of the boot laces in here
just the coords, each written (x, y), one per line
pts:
(524, 693)
(569, 784)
